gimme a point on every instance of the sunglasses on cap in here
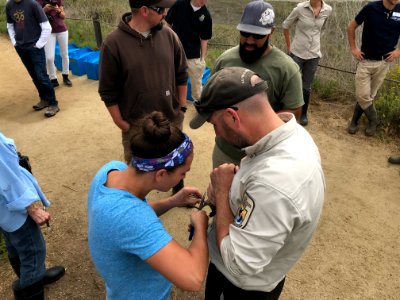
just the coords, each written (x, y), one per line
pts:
(255, 36)
(159, 10)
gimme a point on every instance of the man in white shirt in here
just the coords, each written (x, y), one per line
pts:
(266, 211)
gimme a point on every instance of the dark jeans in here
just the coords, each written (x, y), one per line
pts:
(28, 244)
(34, 60)
(217, 284)
(308, 67)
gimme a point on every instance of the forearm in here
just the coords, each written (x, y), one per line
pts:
(351, 34)
(115, 114)
(203, 49)
(286, 34)
(182, 92)
(44, 35)
(162, 206)
(11, 33)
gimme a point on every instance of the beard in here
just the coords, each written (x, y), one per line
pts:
(233, 138)
(252, 56)
(158, 27)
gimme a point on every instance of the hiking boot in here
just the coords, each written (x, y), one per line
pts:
(52, 111)
(303, 117)
(372, 116)
(352, 129)
(394, 159)
(53, 274)
(40, 105)
(54, 82)
(66, 80)
(303, 120)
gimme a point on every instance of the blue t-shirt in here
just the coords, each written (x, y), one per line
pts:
(124, 231)
(381, 29)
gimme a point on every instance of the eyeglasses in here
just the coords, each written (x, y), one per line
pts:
(255, 36)
(159, 10)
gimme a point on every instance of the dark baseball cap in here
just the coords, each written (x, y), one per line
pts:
(224, 89)
(258, 18)
(157, 3)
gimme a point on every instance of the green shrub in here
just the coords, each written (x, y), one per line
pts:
(388, 102)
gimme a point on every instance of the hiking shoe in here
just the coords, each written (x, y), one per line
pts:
(66, 80)
(54, 82)
(52, 111)
(395, 159)
(40, 105)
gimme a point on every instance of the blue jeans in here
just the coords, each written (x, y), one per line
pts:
(28, 244)
(308, 67)
(34, 60)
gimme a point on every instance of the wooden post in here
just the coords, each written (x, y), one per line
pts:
(97, 30)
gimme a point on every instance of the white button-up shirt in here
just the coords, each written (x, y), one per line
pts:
(306, 42)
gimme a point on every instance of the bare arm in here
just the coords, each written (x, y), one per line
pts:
(185, 268)
(296, 112)
(188, 196)
(203, 49)
(351, 37)
(117, 117)
(286, 34)
(218, 192)
(182, 92)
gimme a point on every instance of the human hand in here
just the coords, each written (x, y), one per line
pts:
(393, 55)
(38, 214)
(221, 181)
(198, 221)
(187, 196)
(356, 52)
(123, 125)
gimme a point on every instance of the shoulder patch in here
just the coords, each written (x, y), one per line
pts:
(244, 211)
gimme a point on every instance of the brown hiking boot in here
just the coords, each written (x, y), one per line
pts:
(52, 111)
(40, 105)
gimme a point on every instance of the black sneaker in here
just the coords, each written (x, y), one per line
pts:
(54, 82)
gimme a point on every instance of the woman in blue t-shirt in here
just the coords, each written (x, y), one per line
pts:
(131, 249)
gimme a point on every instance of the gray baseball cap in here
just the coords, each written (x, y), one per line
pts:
(258, 18)
(224, 89)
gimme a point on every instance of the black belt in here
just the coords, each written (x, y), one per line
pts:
(376, 57)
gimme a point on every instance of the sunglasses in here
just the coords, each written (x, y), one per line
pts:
(255, 36)
(159, 10)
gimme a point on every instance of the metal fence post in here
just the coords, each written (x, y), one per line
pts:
(97, 30)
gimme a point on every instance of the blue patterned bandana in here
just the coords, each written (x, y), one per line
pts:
(171, 160)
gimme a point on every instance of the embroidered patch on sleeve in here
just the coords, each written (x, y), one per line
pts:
(244, 211)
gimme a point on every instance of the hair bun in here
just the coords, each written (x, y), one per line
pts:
(157, 127)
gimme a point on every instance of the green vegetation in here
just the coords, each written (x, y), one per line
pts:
(329, 84)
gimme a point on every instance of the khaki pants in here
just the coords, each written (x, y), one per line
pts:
(196, 70)
(369, 78)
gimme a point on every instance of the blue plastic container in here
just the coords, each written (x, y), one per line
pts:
(57, 59)
(76, 61)
(204, 79)
(92, 65)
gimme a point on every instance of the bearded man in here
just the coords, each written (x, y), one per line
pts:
(255, 52)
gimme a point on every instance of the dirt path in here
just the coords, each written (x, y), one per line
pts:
(354, 254)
